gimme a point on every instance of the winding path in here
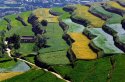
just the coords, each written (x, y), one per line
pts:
(57, 75)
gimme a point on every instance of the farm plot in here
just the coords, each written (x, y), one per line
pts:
(100, 43)
(86, 71)
(118, 72)
(110, 18)
(73, 27)
(36, 76)
(59, 11)
(81, 48)
(82, 12)
(116, 5)
(12, 66)
(3, 24)
(22, 31)
(118, 33)
(121, 2)
(57, 47)
(4, 76)
(13, 21)
(43, 14)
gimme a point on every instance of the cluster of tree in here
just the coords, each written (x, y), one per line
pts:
(21, 20)
(39, 29)
(41, 41)
(15, 40)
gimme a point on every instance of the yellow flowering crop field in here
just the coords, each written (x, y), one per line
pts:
(4, 76)
(81, 47)
(116, 5)
(43, 14)
(83, 12)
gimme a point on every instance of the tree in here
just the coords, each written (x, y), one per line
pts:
(32, 19)
(41, 41)
(44, 22)
(16, 41)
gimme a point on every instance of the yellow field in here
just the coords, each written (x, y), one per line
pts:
(4, 76)
(43, 13)
(81, 47)
(116, 5)
(82, 12)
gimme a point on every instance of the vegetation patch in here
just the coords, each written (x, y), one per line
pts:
(43, 14)
(36, 76)
(118, 71)
(110, 18)
(81, 48)
(100, 43)
(60, 12)
(55, 58)
(4, 76)
(116, 5)
(56, 49)
(82, 12)
(73, 27)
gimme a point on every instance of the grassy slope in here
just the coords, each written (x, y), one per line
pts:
(86, 71)
(64, 14)
(35, 76)
(73, 27)
(82, 12)
(101, 42)
(110, 17)
(116, 5)
(118, 73)
(57, 46)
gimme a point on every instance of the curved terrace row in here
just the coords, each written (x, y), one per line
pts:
(100, 43)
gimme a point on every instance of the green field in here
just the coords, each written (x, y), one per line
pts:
(73, 27)
(118, 72)
(110, 18)
(22, 31)
(64, 14)
(8, 65)
(57, 47)
(108, 67)
(100, 42)
(86, 71)
(35, 76)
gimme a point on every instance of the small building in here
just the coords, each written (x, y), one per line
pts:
(27, 39)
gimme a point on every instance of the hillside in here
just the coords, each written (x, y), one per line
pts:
(75, 43)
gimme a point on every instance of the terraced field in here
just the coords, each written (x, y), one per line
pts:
(117, 31)
(36, 76)
(98, 46)
(73, 27)
(43, 14)
(57, 47)
(80, 47)
(82, 12)
(12, 66)
(60, 12)
(110, 18)
(101, 43)
(116, 5)
(4, 76)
